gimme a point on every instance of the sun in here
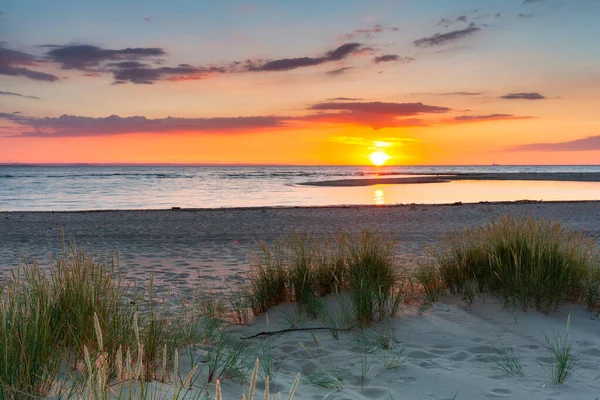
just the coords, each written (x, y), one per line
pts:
(379, 157)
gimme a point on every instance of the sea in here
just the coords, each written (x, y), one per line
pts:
(101, 187)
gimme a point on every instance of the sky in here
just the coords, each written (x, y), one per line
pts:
(416, 82)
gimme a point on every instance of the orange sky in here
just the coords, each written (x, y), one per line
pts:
(437, 82)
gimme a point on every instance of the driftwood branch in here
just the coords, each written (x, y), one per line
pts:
(316, 328)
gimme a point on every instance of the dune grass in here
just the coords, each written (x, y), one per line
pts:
(304, 267)
(80, 315)
(563, 357)
(526, 262)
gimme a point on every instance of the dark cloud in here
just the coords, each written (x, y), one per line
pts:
(525, 16)
(286, 64)
(392, 57)
(18, 95)
(17, 63)
(523, 96)
(386, 58)
(490, 117)
(591, 143)
(442, 38)
(83, 56)
(380, 108)
(344, 99)
(339, 71)
(73, 126)
(462, 18)
(149, 75)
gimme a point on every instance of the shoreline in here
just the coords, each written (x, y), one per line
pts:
(449, 177)
(328, 207)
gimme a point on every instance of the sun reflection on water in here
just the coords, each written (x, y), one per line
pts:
(378, 197)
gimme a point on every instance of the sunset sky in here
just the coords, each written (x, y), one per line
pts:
(300, 82)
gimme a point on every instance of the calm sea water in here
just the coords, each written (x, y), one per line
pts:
(43, 188)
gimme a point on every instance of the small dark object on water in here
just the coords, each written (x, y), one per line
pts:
(175, 208)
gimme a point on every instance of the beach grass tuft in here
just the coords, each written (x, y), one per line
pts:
(508, 360)
(304, 267)
(526, 262)
(563, 357)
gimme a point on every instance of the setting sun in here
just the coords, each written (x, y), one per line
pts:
(379, 157)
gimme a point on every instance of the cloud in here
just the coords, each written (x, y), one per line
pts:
(126, 65)
(339, 71)
(490, 117)
(525, 16)
(16, 63)
(591, 143)
(18, 95)
(440, 39)
(392, 57)
(344, 99)
(77, 126)
(380, 108)
(447, 22)
(83, 56)
(368, 33)
(146, 74)
(523, 96)
(286, 64)
(376, 115)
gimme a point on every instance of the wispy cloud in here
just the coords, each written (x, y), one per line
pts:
(18, 63)
(344, 99)
(381, 108)
(591, 143)
(440, 39)
(339, 71)
(77, 126)
(523, 96)
(286, 64)
(18, 95)
(489, 117)
(368, 33)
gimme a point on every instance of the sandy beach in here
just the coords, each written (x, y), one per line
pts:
(448, 350)
(210, 247)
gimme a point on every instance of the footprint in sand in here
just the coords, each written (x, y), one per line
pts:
(594, 352)
(460, 356)
(500, 392)
(421, 355)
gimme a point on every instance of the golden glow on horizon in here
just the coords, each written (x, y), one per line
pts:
(379, 157)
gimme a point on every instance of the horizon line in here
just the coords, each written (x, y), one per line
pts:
(108, 164)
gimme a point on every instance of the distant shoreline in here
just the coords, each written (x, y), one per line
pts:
(444, 178)
(317, 207)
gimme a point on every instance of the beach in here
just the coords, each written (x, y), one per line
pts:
(188, 247)
(446, 352)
